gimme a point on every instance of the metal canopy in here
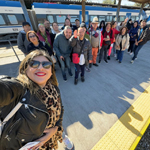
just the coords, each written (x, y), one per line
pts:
(140, 1)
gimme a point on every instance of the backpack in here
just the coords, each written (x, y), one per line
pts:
(23, 37)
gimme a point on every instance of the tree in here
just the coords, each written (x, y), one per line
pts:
(108, 1)
(139, 4)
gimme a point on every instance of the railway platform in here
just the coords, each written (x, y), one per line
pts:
(110, 110)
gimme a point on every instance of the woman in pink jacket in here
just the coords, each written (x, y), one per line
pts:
(44, 35)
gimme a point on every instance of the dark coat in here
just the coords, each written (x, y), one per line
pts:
(143, 36)
(42, 45)
(87, 49)
(30, 120)
(133, 33)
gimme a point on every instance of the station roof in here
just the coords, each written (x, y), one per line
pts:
(140, 1)
(89, 3)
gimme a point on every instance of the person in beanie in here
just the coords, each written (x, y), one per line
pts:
(22, 41)
(96, 39)
(83, 49)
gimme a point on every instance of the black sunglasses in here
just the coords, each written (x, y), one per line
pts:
(32, 36)
(36, 64)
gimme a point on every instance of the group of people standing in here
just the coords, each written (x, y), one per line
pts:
(31, 109)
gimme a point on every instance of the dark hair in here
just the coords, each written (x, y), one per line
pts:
(70, 22)
(25, 23)
(112, 23)
(100, 26)
(108, 23)
(53, 23)
(27, 35)
(136, 22)
(122, 29)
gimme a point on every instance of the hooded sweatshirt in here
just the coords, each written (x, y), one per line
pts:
(22, 41)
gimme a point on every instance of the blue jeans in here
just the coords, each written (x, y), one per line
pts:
(79, 68)
(62, 63)
(136, 50)
(114, 50)
(120, 55)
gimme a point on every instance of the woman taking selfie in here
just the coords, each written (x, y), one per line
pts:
(40, 115)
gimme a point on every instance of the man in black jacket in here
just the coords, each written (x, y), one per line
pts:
(141, 39)
(82, 47)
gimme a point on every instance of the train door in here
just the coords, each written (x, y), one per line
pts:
(128, 15)
(86, 17)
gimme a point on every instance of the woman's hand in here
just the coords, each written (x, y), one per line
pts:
(48, 134)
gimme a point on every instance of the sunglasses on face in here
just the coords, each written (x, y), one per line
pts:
(32, 36)
(36, 64)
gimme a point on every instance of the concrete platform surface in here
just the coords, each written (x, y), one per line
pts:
(92, 107)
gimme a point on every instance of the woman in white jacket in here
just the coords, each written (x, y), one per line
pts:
(122, 43)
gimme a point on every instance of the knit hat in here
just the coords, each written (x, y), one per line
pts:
(40, 24)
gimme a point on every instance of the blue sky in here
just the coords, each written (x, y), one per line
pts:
(124, 2)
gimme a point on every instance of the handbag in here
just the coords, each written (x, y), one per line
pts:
(10, 115)
(76, 56)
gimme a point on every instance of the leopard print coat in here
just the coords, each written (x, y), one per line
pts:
(51, 98)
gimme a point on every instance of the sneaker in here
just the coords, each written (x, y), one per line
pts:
(99, 61)
(132, 61)
(90, 65)
(117, 59)
(135, 58)
(114, 55)
(131, 53)
(106, 61)
(65, 78)
(108, 57)
(68, 142)
(128, 52)
(87, 69)
(82, 79)
(75, 81)
(95, 65)
(119, 62)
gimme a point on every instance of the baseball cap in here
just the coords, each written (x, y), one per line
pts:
(25, 23)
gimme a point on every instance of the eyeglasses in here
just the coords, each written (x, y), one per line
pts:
(36, 64)
(32, 36)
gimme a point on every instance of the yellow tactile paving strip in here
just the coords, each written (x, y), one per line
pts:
(126, 133)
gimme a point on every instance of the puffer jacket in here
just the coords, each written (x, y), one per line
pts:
(30, 120)
(124, 40)
(87, 49)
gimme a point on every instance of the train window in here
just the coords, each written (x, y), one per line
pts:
(137, 18)
(91, 18)
(109, 18)
(20, 18)
(101, 18)
(2, 22)
(50, 18)
(133, 18)
(73, 18)
(12, 19)
(121, 18)
(41, 18)
(60, 19)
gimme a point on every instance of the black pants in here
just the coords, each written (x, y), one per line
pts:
(79, 68)
(130, 49)
(104, 50)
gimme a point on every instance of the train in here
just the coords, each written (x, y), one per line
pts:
(12, 15)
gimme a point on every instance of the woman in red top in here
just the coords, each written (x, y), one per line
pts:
(115, 32)
(108, 38)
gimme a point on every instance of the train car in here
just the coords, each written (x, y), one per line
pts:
(11, 18)
(58, 13)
